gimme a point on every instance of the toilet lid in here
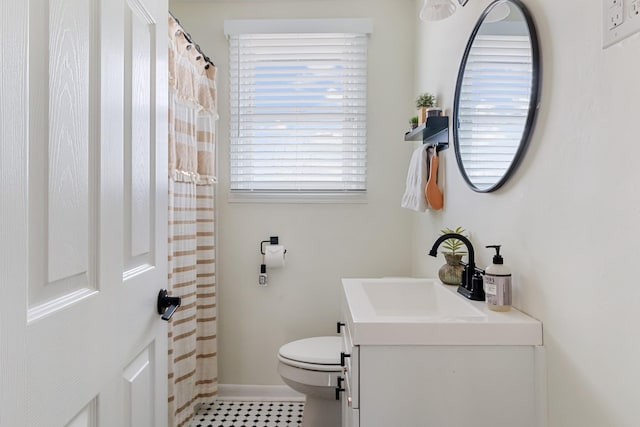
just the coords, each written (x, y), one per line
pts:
(316, 350)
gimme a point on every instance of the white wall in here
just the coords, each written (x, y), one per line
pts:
(325, 241)
(568, 219)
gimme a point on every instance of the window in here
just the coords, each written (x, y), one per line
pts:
(298, 106)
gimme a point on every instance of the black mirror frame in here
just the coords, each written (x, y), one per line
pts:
(534, 102)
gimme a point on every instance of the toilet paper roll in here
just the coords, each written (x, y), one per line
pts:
(274, 256)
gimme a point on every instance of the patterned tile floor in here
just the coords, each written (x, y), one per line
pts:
(249, 414)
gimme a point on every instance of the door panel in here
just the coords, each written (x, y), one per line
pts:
(90, 207)
(139, 385)
(70, 137)
(139, 125)
(86, 417)
(62, 148)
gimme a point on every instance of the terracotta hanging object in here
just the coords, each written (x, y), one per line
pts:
(431, 191)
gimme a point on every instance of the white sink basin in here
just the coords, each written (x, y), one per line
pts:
(417, 299)
(404, 311)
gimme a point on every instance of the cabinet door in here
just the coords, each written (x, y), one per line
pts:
(483, 386)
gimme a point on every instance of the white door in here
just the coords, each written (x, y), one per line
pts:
(83, 175)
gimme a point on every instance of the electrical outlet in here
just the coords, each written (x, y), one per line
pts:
(620, 19)
(634, 9)
(615, 14)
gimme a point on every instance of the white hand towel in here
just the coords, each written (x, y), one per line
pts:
(414, 197)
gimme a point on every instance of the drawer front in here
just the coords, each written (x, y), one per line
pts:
(350, 416)
(350, 413)
(347, 340)
(350, 370)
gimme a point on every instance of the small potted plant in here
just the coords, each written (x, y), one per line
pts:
(451, 272)
(413, 121)
(426, 105)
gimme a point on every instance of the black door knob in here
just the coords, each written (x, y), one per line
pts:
(167, 305)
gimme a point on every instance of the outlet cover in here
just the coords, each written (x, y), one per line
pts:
(615, 15)
(620, 19)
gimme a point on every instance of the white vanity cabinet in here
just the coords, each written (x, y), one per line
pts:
(396, 381)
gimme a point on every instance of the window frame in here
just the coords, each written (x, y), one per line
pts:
(277, 26)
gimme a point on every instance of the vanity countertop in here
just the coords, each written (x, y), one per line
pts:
(408, 311)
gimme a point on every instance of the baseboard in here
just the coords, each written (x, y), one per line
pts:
(275, 393)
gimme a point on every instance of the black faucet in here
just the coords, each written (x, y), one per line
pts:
(471, 286)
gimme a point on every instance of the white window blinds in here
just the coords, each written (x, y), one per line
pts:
(298, 112)
(495, 95)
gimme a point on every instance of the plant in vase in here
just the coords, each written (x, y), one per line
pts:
(413, 121)
(451, 272)
(424, 103)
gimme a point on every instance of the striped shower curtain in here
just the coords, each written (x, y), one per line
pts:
(193, 369)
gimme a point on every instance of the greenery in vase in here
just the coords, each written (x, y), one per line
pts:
(426, 100)
(453, 245)
(413, 120)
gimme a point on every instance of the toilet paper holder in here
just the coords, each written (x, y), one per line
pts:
(273, 240)
(262, 278)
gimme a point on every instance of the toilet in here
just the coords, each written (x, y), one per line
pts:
(311, 366)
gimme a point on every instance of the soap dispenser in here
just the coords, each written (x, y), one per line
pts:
(497, 283)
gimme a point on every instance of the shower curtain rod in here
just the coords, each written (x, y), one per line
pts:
(187, 36)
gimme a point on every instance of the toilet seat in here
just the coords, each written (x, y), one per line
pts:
(317, 353)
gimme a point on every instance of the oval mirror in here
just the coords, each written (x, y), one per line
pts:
(496, 95)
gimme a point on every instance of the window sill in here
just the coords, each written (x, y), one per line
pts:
(298, 198)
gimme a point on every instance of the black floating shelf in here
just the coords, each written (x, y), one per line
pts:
(435, 132)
